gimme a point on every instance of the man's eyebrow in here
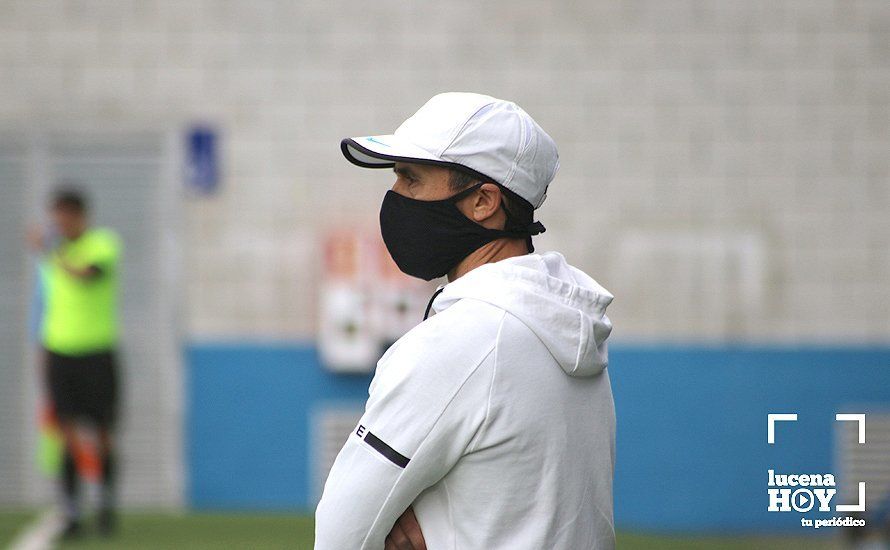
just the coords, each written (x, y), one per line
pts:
(404, 171)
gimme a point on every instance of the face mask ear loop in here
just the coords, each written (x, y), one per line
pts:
(533, 228)
(463, 194)
(511, 225)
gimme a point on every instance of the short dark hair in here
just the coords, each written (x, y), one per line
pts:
(69, 198)
(518, 209)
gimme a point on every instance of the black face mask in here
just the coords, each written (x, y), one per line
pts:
(427, 239)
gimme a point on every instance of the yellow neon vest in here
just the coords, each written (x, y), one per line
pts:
(80, 315)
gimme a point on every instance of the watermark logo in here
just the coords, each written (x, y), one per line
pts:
(802, 493)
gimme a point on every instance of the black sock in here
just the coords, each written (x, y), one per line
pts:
(109, 474)
(70, 483)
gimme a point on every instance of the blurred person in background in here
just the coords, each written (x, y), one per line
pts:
(79, 333)
(490, 424)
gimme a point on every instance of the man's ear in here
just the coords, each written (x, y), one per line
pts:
(486, 202)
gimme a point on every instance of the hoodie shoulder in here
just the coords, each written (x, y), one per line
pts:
(449, 344)
(563, 306)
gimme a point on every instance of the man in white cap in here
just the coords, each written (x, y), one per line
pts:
(491, 424)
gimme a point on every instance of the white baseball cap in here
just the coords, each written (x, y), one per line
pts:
(492, 138)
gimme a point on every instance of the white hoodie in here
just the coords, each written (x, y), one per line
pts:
(493, 419)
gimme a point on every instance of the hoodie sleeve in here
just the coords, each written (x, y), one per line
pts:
(422, 416)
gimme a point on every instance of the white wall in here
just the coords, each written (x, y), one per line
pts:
(725, 167)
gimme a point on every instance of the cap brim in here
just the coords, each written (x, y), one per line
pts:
(384, 151)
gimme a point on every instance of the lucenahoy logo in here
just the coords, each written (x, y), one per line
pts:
(804, 492)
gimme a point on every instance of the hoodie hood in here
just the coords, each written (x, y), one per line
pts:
(563, 306)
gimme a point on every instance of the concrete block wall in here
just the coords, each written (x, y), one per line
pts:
(725, 167)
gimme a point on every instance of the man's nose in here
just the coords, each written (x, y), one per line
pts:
(399, 187)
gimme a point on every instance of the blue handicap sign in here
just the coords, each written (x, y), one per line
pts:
(202, 160)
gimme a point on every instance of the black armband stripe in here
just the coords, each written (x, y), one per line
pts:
(391, 454)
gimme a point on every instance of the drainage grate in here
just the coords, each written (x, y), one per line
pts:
(331, 428)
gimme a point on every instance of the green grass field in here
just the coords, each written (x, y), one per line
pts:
(11, 521)
(152, 530)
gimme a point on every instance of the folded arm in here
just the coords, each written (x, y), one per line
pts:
(413, 432)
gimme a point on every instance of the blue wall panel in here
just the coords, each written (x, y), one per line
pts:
(247, 427)
(691, 452)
